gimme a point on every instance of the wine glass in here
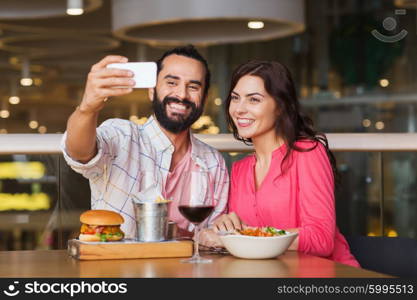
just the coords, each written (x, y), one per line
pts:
(196, 206)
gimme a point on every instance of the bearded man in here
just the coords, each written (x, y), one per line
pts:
(121, 158)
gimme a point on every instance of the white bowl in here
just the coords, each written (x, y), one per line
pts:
(253, 247)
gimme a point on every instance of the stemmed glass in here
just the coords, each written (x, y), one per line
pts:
(196, 207)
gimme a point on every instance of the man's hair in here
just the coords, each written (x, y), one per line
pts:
(191, 52)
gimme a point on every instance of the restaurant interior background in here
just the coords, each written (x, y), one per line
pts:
(348, 79)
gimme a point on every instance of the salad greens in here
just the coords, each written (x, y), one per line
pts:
(275, 231)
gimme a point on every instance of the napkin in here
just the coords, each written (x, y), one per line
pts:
(150, 194)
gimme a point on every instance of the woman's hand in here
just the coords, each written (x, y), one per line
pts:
(209, 238)
(228, 222)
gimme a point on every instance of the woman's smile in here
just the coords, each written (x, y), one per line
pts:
(244, 122)
(252, 109)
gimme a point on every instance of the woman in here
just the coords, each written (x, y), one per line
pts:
(288, 182)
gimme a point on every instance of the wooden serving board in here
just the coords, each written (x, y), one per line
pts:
(128, 249)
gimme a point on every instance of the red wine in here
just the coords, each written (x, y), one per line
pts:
(196, 214)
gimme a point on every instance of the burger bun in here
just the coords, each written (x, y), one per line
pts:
(101, 218)
(89, 238)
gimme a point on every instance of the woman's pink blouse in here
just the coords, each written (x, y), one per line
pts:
(302, 197)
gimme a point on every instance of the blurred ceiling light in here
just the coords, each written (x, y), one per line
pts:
(75, 11)
(384, 82)
(4, 114)
(142, 120)
(14, 60)
(26, 80)
(213, 130)
(133, 118)
(218, 101)
(75, 7)
(379, 125)
(255, 24)
(14, 100)
(33, 117)
(366, 123)
(133, 112)
(33, 124)
(42, 129)
(37, 81)
(202, 122)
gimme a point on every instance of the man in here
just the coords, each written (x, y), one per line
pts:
(121, 158)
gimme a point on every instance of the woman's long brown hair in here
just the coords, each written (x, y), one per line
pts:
(292, 124)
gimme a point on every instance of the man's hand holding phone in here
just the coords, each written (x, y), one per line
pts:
(105, 82)
(112, 76)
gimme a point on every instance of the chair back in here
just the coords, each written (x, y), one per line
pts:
(395, 256)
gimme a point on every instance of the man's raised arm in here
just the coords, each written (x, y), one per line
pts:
(101, 83)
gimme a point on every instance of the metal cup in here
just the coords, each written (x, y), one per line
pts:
(151, 221)
(172, 230)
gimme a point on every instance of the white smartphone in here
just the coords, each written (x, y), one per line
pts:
(145, 72)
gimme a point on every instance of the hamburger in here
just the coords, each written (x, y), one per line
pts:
(101, 226)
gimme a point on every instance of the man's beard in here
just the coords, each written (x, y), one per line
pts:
(183, 122)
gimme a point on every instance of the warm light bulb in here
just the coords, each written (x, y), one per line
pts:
(75, 7)
(14, 100)
(37, 81)
(256, 24)
(26, 81)
(366, 123)
(133, 118)
(218, 101)
(14, 60)
(4, 113)
(33, 124)
(75, 11)
(379, 125)
(213, 130)
(384, 82)
(42, 129)
(142, 120)
(337, 94)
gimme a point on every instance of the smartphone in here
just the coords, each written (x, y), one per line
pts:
(144, 72)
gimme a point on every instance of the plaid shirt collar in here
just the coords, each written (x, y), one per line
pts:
(163, 143)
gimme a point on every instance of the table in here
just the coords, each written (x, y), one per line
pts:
(56, 263)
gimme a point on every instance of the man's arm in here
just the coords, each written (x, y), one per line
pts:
(101, 83)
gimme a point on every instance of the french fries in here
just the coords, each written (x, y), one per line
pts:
(159, 199)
